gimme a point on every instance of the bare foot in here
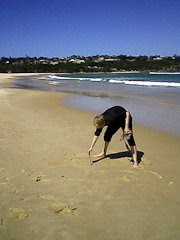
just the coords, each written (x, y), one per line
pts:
(100, 155)
(135, 165)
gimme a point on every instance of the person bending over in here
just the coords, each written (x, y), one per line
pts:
(114, 118)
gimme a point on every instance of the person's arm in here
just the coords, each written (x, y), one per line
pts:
(95, 138)
(127, 121)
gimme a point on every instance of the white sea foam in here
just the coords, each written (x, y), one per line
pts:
(53, 82)
(96, 79)
(75, 78)
(122, 80)
(163, 73)
(61, 77)
(57, 77)
(146, 83)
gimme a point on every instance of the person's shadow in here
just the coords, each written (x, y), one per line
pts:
(119, 155)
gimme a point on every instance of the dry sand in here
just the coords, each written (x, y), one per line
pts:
(48, 190)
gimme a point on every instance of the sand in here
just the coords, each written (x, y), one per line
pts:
(48, 190)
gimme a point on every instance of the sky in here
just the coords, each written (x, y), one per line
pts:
(60, 28)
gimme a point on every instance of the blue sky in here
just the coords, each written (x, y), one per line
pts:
(89, 27)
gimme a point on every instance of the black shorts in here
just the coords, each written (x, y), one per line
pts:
(112, 129)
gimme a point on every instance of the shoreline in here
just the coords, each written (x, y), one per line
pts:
(131, 71)
(162, 104)
(49, 190)
(8, 80)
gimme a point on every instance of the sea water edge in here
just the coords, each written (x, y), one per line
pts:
(155, 106)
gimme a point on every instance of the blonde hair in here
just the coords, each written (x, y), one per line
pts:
(99, 121)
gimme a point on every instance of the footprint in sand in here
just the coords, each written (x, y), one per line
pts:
(146, 162)
(46, 180)
(124, 179)
(30, 198)
(55, 163)
(5, 180)
(58, 206)
(78, 157)
(141, 167)
(62, 208)
(16, 191)
(67, 178)
(19, 213)
(42, 179)
(170, 183)
(46, 197)
(88, 192)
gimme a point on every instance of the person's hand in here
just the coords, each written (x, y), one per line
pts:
(126, 134)
(126, 131)
(89, 152)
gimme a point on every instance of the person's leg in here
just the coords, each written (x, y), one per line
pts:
(134, 155)
(110, 131)
(104, 150)
(133, 149)
(132, 145)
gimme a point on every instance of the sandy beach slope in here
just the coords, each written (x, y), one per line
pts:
(48, 190)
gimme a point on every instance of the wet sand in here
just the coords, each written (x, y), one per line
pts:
(48, 190)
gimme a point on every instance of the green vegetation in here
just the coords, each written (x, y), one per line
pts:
(99, 63)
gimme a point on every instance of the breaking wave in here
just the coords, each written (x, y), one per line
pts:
(146, 83)
(75, 78)
(121, 80)
(164, 73)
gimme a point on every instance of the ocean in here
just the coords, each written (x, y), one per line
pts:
(152, 98)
